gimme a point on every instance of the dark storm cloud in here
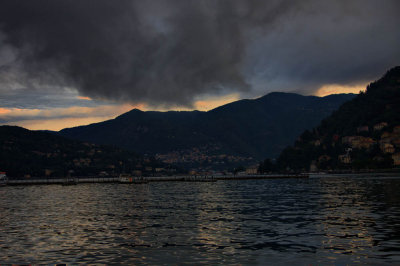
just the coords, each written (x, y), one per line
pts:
(335, 42)
(171, 51)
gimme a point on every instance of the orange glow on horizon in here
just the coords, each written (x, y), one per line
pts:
(205, 104)
(214, 102)
(59, 118)
(329, 89)
(57, 124)
(4, 111)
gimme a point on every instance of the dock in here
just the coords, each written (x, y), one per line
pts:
(83, 180)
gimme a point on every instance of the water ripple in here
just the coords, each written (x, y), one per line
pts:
(314, 221)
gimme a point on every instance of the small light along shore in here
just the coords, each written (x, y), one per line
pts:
(83, 180)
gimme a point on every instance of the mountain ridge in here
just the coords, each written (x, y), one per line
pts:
(238, 129)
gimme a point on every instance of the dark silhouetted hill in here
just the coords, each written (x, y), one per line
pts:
(26, 153)
(363, 133)
(236, 133)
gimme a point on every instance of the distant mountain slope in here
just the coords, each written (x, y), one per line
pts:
(363, 133)
(241, 131)
(38, 154)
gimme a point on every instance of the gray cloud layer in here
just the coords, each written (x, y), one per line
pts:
(31, 98)
(167, 52)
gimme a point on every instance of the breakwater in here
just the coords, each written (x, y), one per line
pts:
(51, 181)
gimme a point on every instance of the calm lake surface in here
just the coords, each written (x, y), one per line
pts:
(281, 221)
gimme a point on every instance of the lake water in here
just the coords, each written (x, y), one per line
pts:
(300, 221)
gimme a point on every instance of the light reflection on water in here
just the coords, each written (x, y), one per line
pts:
(317, 221)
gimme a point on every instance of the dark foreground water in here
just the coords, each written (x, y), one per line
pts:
(312, 221)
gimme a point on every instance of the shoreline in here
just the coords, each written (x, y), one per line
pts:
(77, 180)
(139, 180)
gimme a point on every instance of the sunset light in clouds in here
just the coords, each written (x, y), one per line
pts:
(90, 111)
(336, 89)
(4, 111)
(59, 118)
(84, 98)
(213, 102)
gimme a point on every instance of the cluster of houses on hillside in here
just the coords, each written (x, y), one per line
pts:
(388, 143)
(376, 140)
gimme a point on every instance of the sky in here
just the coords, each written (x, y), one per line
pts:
(66, 63)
